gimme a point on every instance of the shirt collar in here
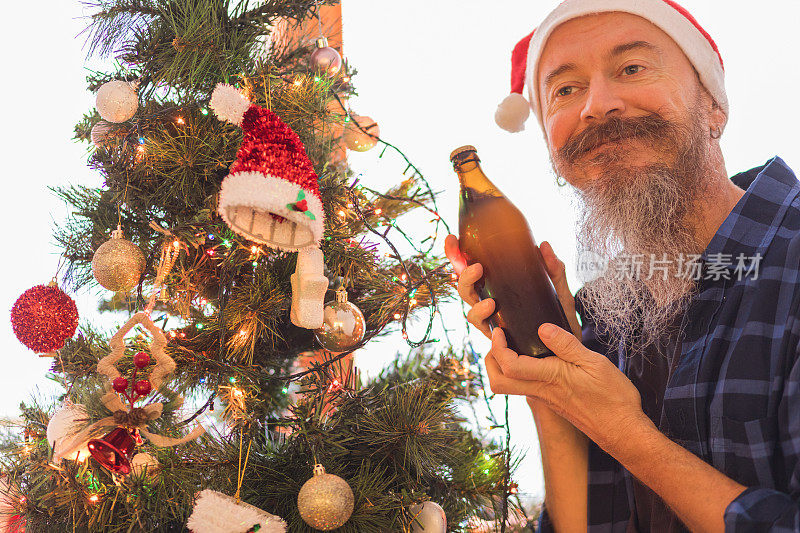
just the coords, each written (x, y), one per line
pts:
(750, 227)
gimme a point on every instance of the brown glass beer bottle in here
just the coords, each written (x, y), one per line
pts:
(495, 234)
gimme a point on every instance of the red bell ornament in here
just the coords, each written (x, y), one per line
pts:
(114, 451)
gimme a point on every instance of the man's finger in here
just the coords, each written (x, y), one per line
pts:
(454, 255)
(502, 384)
(523, 367)
(466, 283)
(479, 315)
(558, 274)
(562, 343)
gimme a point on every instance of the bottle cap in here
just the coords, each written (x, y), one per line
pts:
(455, 153)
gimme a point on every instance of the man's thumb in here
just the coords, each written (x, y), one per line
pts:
(562, 343)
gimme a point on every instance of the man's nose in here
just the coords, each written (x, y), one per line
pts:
(602, 101)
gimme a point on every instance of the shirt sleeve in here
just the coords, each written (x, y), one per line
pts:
(608, 496)
(767, 510)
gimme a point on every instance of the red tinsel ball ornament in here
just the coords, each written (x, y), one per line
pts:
(120, 384)
(44, 317)
(142, 387)
(141, 360)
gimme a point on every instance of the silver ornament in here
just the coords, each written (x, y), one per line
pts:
(361, 133)
(118, 263)
(325, 59)
(100, 133)
(117, 101)
(325, 501)
(343, 324)
(429, 517)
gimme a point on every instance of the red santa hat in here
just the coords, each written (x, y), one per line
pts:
(674, 20)
(271, 196)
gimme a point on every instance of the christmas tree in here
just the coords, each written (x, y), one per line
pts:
(245, 265)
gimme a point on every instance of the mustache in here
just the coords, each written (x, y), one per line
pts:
(652, 127)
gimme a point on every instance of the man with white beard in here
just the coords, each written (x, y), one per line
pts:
(675, 405)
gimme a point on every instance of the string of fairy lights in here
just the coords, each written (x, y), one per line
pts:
(408, 284)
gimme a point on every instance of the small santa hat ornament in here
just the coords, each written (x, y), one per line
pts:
(668, 15)
(271, 196)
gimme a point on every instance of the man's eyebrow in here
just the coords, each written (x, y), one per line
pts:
(566, 67)
(617, 50)
(633, 45)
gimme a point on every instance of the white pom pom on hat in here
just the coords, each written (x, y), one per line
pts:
(229, 104)
(668, 15)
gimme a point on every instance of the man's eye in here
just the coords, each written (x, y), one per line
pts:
(633, 69)
(565, 91)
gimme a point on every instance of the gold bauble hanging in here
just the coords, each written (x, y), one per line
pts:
(343, 324)
(118, 263)
(325, 501)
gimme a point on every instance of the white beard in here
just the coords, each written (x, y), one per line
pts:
(642, 210)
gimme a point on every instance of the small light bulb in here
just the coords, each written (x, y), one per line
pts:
(378, 211)
(397, 316)
(94, 498)
(298, 83)
(255, 249)
(342, 214)
(180, 120)
(204, 111)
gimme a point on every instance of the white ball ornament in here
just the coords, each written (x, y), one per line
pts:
(361, 133)
(144, 462)
(62, 428)
(429, 518)
(117, 101)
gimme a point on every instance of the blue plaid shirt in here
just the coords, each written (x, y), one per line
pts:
(733, 398)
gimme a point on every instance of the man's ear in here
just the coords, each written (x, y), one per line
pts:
(717, 118)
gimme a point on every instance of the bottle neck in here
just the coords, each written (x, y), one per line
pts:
(471, 176)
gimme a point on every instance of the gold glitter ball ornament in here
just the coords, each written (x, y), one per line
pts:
(118, 263)
(325, 501)
(343, 324)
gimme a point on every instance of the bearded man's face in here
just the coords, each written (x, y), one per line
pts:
(627, 124)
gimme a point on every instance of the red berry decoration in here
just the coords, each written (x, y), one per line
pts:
(120, 384)
(44, 317)
(141, 359)
(142, 387)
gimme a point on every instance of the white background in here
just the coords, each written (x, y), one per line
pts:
(430, 73)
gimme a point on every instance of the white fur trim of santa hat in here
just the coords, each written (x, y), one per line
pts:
(249, 199)
(669, 16)
(215, 512)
